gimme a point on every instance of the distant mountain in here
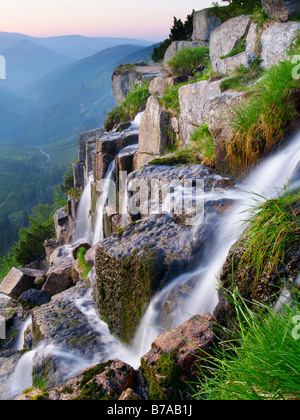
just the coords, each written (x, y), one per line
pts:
(80, 47)
(75, 46)
(27, 61)
(85, 107)
(15, 113)
(52, 88)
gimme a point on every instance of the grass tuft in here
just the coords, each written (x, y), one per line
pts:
(84, 267)
(260, 123)
(134, 103)
(263, 363)
(190, 61)
(273, 231)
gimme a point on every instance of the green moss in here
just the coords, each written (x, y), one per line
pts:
(43, 396)
(163, 378)
(90, 389)
(131, 281)
(84, 267)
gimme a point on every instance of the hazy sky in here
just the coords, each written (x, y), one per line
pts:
(149, 19)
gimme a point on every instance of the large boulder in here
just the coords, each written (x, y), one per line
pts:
(153, 136)
(205, 22)
(107, 148)
(125, 77)
(276, 40)
(133, 265)
(177, 356)
(220, 127)
(281, 9)
(227, 37)
(18, 281)
(61, 223)
(59, 276)
(32, 298)
(195, 105)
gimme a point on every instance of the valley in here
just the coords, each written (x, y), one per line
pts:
(47, 99)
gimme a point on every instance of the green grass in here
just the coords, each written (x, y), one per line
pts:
(273, 231)
(262, 363)
(241, 47)
(134, 103)
(190, 61)
(202, 145)
(260, 122)
(242, 78)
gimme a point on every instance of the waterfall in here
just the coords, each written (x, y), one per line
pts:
(83, 219)
(20, 341)
(267, 180)
(98, 233)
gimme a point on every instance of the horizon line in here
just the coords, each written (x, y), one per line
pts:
(79, 35)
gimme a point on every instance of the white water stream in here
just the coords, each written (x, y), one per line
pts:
(83, 228)
(266, 181)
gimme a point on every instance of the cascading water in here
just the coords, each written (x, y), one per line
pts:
(20, 341)
(98, 233)
(266, 181)
(83, 220)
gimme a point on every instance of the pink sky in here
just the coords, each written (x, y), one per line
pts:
(131, 18)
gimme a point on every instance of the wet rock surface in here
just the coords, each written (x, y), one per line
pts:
(105, 381)
(176, 356)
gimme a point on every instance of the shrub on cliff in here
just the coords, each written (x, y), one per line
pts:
(134, 103)
(190, 61)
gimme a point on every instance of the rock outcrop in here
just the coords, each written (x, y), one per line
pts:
(178, 357)
(275, 42)
(281, 9)
(196, 102)
(153, 136)
(18, 281)
(265, 289)
(205, 22)
(133, 265)
(125, 77)
(220, 127)
(106, 381)
(178, 46)
(227, 37)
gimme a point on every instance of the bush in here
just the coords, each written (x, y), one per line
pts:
(134, 103)
(190, 61)
(31, 240)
